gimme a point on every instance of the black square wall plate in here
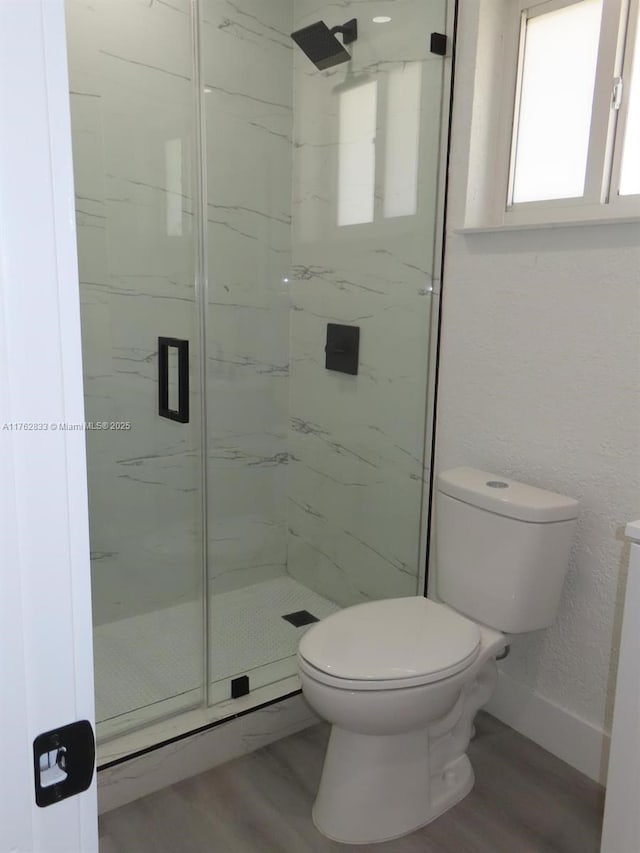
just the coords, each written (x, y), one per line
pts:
(342, 348)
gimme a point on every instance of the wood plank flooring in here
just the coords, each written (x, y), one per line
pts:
(524, 801)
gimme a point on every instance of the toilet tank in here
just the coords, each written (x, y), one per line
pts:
(502, 549)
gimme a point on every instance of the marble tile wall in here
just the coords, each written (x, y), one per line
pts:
(132, 107)
(248, 78)
(366, 156)
(310, 472)
(132, 123)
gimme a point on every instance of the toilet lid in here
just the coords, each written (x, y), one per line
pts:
(396, 639)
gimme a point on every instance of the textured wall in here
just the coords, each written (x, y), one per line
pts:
(357, 442)
(540, 380)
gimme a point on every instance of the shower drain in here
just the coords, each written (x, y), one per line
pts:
(300, 617)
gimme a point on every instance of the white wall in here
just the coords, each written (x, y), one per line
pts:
(540, 380)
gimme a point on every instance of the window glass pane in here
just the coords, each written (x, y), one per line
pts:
(561, 50)
(630, 174)
(403, 139)
(357, 154)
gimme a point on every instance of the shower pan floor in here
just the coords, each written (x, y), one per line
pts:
(149, 666)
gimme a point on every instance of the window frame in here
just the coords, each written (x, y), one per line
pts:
(600, 201)
(626, 202)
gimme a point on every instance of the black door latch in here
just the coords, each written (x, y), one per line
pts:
(63, 762)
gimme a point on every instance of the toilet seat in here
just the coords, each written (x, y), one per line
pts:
(390, 644)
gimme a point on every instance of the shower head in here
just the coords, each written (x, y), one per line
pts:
(321, 45)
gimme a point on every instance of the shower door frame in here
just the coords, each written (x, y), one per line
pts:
(210, 713)
(203, 714)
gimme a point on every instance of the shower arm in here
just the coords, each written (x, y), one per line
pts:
(348, 31)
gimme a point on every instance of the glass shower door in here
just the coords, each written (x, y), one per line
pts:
(131, 82)
(321, 212)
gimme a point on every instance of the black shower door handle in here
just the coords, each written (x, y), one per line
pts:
(181, 414)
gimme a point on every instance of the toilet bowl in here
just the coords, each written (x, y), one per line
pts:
(396, 755)
(401, 680)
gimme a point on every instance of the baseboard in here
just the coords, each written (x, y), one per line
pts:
(579, 743)
(130, 780)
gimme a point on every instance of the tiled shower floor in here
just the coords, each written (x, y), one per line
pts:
(143, 661)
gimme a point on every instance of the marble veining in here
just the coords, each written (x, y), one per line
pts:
(310, 473)
(357, 466)
(131, 112)
(247, 68)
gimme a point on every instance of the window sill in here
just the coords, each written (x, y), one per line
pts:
(560, 213)
(537, 226)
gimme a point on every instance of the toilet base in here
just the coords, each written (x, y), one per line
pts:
(376, 788)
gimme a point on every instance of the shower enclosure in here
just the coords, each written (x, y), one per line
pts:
(244, 219)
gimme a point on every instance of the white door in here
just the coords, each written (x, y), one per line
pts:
(46, 666)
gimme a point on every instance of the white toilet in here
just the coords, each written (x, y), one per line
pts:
(401, 680)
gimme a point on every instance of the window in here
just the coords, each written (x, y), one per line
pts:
(575, 142)
(558, 72)
(379, 144)
(630, 167)
(357, 164)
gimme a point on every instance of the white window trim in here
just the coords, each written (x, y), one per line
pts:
(597, 206)
(623, 203)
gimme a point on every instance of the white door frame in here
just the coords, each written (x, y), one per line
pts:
(46, 660)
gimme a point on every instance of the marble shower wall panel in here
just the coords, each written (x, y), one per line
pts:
(363, 240)
(247, 74)
(132, 123)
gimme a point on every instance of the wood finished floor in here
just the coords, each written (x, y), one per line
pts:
(524, 801)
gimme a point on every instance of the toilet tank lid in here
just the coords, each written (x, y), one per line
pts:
(507, 497)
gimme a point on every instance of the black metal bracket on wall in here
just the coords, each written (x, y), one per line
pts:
(181, 414)
(438, 44)
(240, 686)
(348, 31)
